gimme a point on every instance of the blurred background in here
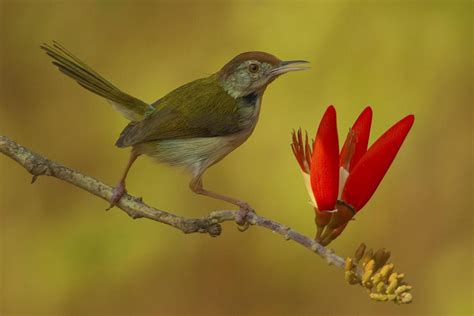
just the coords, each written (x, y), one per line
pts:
(62, 254)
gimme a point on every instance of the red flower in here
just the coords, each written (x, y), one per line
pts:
(325, 162)
(353, 176)
(343, 182)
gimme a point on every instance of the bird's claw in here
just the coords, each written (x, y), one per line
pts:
(118, 193)
(241, 218)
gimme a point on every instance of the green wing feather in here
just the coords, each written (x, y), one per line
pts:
(201, 108)
(130, 107)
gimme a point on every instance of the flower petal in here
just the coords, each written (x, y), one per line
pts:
(357, 140)
(325, 162)
(371, 168)
(307, 183)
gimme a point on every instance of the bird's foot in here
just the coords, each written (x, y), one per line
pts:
(119, 192)
(241, 218)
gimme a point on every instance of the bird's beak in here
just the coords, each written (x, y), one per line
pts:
(287, 66)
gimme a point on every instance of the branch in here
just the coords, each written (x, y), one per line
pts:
(38, 165)
(368, 269)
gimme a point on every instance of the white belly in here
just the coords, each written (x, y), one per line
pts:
(194, 154)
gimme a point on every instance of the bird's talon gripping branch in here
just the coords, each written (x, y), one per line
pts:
(243, 227)
(242, 216)
(119, 192)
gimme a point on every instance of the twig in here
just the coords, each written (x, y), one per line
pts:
(38, 165)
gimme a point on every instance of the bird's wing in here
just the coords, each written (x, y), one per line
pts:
(201, 108)
(132, 108)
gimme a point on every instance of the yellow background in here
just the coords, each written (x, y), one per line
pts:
(62, 254)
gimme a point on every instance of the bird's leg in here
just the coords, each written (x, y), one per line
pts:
(120, 189)
(244, 208)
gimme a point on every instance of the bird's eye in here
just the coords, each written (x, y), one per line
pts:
(253, 68)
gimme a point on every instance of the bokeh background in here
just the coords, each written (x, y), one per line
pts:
(62, 254)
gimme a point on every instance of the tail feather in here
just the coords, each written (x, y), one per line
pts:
(132, 108)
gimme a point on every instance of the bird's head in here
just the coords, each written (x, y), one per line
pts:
(251, 72)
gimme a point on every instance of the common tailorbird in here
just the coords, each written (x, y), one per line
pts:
(193, 126)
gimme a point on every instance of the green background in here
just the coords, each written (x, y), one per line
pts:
(62, 254)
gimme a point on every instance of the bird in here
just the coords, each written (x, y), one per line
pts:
(194, 126)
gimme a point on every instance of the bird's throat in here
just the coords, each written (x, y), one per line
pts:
(251, 99)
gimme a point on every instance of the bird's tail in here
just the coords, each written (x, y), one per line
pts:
(132, 108)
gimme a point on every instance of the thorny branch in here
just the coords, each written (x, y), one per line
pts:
(368, 269)
(38, 165)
